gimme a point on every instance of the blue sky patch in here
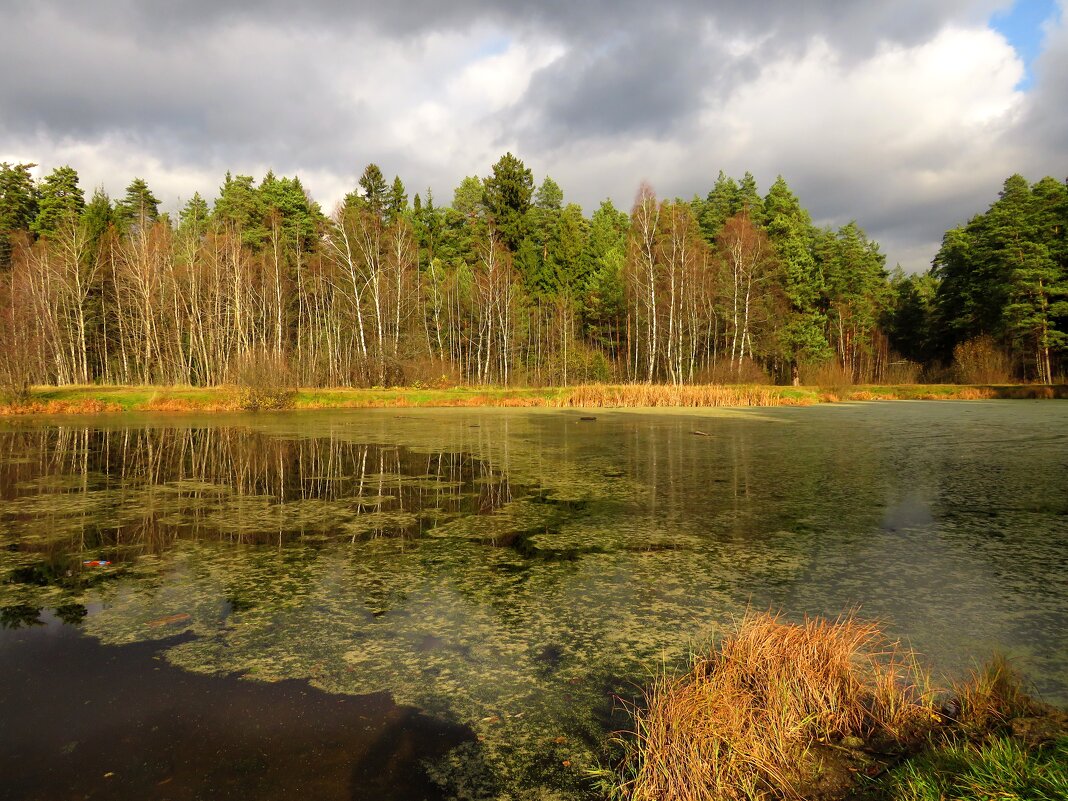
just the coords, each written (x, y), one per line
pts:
(1021, 25)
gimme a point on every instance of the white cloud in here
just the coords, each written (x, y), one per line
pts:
(905, 118)
(907, 128)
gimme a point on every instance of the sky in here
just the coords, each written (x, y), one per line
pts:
(905, 115)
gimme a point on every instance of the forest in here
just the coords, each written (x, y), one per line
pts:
(510, 284)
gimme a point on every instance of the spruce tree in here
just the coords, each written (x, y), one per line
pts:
(507, 195)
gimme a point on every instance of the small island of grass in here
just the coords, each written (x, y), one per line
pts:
(834, 710)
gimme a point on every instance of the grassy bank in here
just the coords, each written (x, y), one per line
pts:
(833, 710)
(100, 399)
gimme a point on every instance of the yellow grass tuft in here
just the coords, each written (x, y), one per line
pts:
(991, 696)
(655, 395)
(743, 723)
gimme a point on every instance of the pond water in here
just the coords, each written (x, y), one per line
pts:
(454, 603)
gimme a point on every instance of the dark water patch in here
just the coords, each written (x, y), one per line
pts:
(18, 616)
(83, 720)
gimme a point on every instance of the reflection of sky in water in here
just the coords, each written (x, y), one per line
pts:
(507, 569)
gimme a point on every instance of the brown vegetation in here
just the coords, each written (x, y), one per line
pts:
(84, 406)
(990, 697)
(684, 395)
(757, 716)
(776, 711)
(981, 361)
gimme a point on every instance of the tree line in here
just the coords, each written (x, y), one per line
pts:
(997, 289)
(507, 284)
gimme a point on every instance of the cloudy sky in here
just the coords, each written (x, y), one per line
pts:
(906, 115)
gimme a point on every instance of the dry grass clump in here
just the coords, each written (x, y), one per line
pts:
(694, 395)
(991, 696)
(749, 720)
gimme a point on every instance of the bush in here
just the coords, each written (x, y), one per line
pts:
(981, 361)
(829, 374)
(265, 384)
(902, 371)
(14, 390)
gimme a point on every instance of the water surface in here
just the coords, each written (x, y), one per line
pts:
(479, 587)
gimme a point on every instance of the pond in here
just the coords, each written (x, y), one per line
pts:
(409, 604)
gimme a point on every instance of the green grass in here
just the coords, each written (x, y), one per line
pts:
(1000, 770)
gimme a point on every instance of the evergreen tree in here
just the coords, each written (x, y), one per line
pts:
(429, 222)
(18, 205)
(58, 196)
(372, 191)
(910, 320)
(1005, 274)
(604, 300)
(98, 215)
(549, 197)
(396, 200)
(856, 293)
(139, 207)
(300, 216)
(749, 200)
(194, 217)
(467, 198)
(507, 195)
(568, 260)
(721, 204)
(802, 336)
(240, 207)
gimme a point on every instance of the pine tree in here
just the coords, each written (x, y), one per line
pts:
(240, 207)
(749, 200)
(58, 196)
(139, 207)
(549, 197)
(802, 336)
(18, 205)
(467, 198)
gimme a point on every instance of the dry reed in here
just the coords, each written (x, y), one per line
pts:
(655, 395)
(746, 720)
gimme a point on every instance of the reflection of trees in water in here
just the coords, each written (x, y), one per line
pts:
(150, 486)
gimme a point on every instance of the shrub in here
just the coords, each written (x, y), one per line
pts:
(828, 374)
(981, 361)
(265, 384)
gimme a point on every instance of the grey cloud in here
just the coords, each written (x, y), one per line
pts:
(213, 84)
(849, 25)
(1044, 127)
(633, 84)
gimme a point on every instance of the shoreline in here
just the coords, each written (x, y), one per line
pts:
(97, 399)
